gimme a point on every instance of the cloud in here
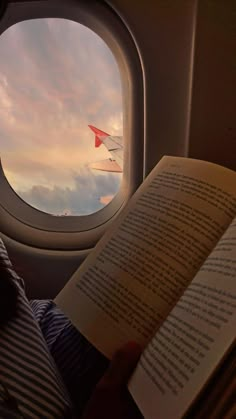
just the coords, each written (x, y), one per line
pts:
(106, 199)
(82, 199)
(57, 68)
(56, 77)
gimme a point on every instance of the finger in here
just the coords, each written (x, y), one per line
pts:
(122, 365)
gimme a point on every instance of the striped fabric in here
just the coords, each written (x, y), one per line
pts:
(30, 384)
(79, 363)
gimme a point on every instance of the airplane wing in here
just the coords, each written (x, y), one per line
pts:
(114, 145)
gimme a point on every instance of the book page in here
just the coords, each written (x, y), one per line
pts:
(135, 275)
(193, 340)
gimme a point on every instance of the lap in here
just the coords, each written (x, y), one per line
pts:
(80, 364)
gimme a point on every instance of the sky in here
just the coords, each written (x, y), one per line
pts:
(56, 77)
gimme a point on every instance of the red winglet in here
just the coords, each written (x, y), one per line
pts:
(98, 133)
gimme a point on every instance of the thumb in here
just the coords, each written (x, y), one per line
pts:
(122, 365)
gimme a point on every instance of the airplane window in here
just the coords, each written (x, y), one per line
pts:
(60, 116)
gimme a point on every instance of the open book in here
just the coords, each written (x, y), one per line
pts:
(164, 275)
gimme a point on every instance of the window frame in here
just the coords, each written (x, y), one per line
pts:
(26, 224)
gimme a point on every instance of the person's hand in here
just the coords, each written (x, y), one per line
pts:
(111, 399)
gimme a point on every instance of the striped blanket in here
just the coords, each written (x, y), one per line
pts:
(44, 361)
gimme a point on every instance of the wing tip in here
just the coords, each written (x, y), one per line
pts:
(98, 131)
(98, 134)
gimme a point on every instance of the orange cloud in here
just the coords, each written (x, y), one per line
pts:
(106, 199)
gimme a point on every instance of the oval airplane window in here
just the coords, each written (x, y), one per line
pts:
(61, 116)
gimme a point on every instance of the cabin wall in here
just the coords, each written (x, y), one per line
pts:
(44, 272)
(188, 53)
(164, 34)
(213, 114)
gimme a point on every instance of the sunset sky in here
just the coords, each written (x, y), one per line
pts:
(56, 77)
